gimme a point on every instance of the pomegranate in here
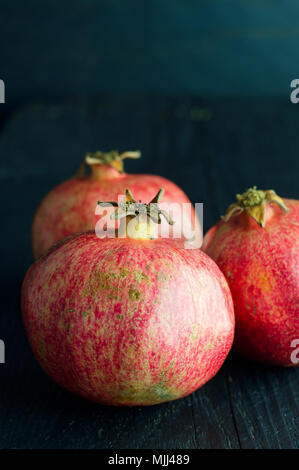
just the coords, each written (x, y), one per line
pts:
(70, 207)
(256, 246)
(129, 320)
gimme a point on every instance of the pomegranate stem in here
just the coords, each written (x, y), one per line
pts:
(113, 159)
(253, 202)
(143, 214)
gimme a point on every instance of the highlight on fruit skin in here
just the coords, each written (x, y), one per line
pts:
(70, 207)
(128, 321)
(256, 245)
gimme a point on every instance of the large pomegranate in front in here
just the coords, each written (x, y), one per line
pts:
(257, 248)
(70, 206)
(128, 321)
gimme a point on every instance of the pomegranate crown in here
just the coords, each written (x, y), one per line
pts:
(129, 207)
(112, 158)
(253, 202)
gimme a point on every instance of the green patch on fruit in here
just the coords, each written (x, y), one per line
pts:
(104, 280)
(195, 331)
(113, 275)
(113, 296)
(141, 276)
(161, 392)
(42, 348)
(162, 276)
(134, 294)
(124, 272)
(85, 314)
(155, 394)
(229, 274)
(101, 281)
(252, 309)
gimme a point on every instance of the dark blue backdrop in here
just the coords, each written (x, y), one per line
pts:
(202, 88)
(207, 47)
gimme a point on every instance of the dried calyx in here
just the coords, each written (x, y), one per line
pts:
(113, 159)
(143, 214)
(253, 202)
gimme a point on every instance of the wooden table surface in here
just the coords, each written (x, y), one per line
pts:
(213, 150)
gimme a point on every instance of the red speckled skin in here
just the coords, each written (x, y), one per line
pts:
(127, 322)
(261, 266)
(70, 207)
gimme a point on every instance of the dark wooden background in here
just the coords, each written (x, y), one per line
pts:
(213, 149)
(57, 48)
(90, 74)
